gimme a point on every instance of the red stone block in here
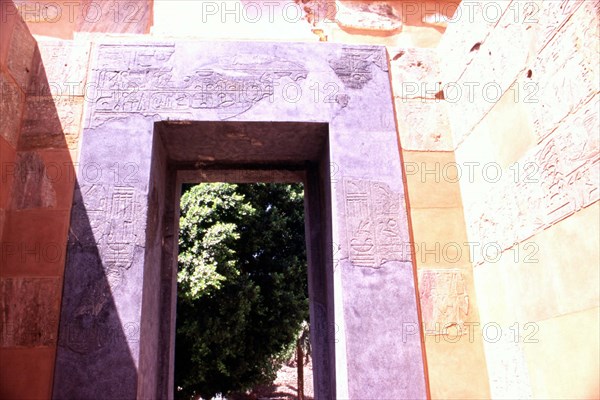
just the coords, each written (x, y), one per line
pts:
(34, 243)
(43, 179)
(7, 171)
(26, 373)
(8, 16)
(30, 309)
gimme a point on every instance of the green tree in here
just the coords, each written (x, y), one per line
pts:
(242, 278)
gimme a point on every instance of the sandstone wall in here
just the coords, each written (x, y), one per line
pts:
(454, 349)
(498, 132)
(39, 133)
(521, 83)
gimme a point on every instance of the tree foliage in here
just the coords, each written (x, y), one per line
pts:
(242, 285)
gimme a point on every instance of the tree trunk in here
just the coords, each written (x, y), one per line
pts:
(300, 364)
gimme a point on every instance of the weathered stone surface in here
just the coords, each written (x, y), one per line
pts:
(568, 48)
(2, 219)
(461, 43)
(490, 74)
(11, 106)
(375, 218)
(354, 66)
(548, 17)
(507, 368)
(555, 178)
(62, 19)
(9, 17)
(423, 125)
(51, 122)
(415, 73)
(368, 291)
(567, 70)
(180, 98)
(32, 186)
(372, 16)
(7, 172)
(130, 17)
(20, 54)
(444, 300)
(34, 243)
(60, 69)
(29, 311)
(552, 181)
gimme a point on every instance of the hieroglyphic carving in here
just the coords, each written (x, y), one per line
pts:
(567, 69)
(444, 300)
(568, 164)
(551, 16)
(354, 66)
(551, 182)
(139, 79)
(112, 214)
(376, 223)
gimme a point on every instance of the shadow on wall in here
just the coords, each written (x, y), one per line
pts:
(39, 176)
(93, 340)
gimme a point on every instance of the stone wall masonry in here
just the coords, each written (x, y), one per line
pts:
(36, 187)
(140, 83)
(421, 114)
(62, 19)
(522, 203)
(448, 304)
(56, 96)
(529, 68)
(552, 181)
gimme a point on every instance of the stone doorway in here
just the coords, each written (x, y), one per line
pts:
(167, 113)
(262, 154)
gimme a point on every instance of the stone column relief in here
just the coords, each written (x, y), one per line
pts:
(156, 109)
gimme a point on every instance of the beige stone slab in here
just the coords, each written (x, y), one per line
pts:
(507, 128)
(441, 244)
(568, 251)
(564, 364)
(504, 352)
(445, 372)
(415, 72)
(494, 299)
(423, 125)
(554, 272)
(432, 179)
(553, 180)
